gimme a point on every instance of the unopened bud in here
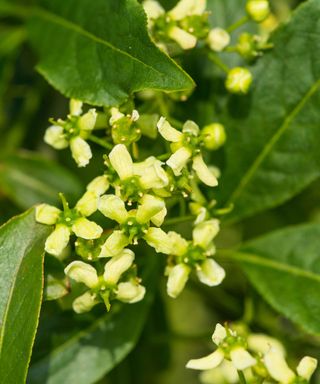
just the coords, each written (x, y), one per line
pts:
(213, 136)
(239, 80)
(258, 10)
(218, 39)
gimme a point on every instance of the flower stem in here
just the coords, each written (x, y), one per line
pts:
(100, 142)
(218, 62)
(238, 24)
(242, 377)
(178, 220)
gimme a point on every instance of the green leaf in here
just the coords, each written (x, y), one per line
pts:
(21, 279)
(100, 52)
(272, 151)
(284, 266)
(28, 179)
(98, 348)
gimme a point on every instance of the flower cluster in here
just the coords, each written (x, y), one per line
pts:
(260, 358)
(131, 200)
(187, 23)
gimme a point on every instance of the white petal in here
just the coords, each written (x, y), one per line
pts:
(306, 367)
(208, 362)
(81, 151)
(129, 292)
(115, 115)
(190, 127)
(153, 9)
(88, 204)
(99, 185)
(183, 38)
(151, 174)
(117, 265)
(84, 303)
(219, 334)
(277, 367)
(186, 8)
(148, 207)
(113, 207)
(159, 240)
(47, 214)
(168, 132)
(218, 39)
(86, 229)
(88, 120)
(55, 137)
(178, 277)
(203, 233)
(178, 160)
(58, 240)
(180, 244)
(121, 161)
(82, 273)
(203, 172)
(114, 244)
(75, 107)
(211, 273)
(241, 358)
(158, 219)
(261, 343)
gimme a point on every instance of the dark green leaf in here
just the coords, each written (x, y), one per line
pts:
(21, 279)
(94, 351)
(100, 51)
(28, 179)
(284, 266)
(273, 133)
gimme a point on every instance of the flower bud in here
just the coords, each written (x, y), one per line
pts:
(208, 362)
(239, 80)
(130, 292)
(114, 244)
(84, 303)
(99, 185)
(113, 207)
(241, 358)
(168, 132)
(88, 120)
(86, 229)
(82, 273)
(149, 207)
(277, 366)
(58, 240)
(55, 137)
(219, 334)
(210, 273)
(81, 151)
(47, 214)
(203, 233)
(178, 277)
(213, 136)
(75, 107)
(183, 38)
(117, 265)
(306, 367)
(203, 172)
(159, 240)
(121, 161)
(178, 160)
(258, 10)
(186, 8)
(88, 203)
(218, 39)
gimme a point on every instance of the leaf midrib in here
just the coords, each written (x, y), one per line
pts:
(254, 259)
(274, 139)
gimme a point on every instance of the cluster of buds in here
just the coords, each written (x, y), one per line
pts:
(260, 358)
(132, 195)
(73, 132)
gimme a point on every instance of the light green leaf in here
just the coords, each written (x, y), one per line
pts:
(284, 266)
(272, 151)
(100, 51)
(97, 348)
(29, 179)
(21, 279)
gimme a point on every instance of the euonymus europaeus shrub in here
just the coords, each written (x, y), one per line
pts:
(147, 189)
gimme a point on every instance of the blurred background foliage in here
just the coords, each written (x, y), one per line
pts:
(31, 172)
